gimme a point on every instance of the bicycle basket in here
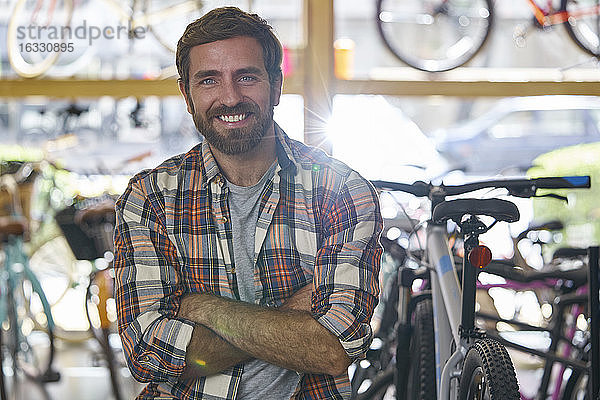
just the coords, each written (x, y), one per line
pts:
(89, 241)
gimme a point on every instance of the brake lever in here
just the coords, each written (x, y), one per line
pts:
(554, 196)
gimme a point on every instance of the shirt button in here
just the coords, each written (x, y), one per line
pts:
(144, 358)
(224, 219)
(233, 270)
(218, 180)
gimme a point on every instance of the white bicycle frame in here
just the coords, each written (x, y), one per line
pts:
(446, 294)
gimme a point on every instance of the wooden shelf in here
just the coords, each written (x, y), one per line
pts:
(462, 82)
(476, 82)
(82, 88)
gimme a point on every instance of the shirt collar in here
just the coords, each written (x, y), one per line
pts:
(285, 156)
(210, 165)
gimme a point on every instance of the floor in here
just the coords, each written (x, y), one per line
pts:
(83, 376)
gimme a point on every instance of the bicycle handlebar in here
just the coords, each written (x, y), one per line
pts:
(516, 187)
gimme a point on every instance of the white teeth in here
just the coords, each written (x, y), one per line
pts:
(232, 118)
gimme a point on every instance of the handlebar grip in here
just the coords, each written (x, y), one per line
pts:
(564, 182)
(419, 188)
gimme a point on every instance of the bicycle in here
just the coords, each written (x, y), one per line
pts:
(25, 352)
(567, 342)
(90, 237)
(51, 21)
(47, 192)
(440, 35)
(463, 355)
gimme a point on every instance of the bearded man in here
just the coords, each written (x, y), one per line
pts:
(248, 267)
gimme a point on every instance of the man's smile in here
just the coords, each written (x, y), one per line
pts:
(232, 118)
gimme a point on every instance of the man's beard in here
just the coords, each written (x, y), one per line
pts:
(235, 140)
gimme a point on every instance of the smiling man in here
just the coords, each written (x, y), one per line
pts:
(248, 267)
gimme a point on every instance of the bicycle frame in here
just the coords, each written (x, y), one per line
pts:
(551, 17)
(448, 298)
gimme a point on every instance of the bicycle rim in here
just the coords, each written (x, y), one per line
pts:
(56, 268)
(583, 24)
(434, 35)
(101, 315)
(35, 347)
(33, 26)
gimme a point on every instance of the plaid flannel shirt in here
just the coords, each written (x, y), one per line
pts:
(319, 223)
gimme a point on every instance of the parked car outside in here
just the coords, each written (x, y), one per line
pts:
(509, 136)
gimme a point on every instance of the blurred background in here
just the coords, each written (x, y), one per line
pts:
(87, 107)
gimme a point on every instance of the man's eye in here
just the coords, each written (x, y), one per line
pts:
(247, 79)
(207, 81)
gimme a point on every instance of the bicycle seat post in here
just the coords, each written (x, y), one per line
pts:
(470, 230)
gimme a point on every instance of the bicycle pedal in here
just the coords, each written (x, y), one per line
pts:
(50, 376)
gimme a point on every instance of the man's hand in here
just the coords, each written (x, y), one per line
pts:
(300, 301)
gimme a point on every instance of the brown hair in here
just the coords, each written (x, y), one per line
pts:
(226, 23)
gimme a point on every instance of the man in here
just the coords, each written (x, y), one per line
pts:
(248, 267)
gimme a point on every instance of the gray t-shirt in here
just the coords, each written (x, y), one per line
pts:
(260, 380)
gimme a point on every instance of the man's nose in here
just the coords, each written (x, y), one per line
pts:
(231, 94)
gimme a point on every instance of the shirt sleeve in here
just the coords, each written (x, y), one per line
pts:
(147, 289)
(347, 265)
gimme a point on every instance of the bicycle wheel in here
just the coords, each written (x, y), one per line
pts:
(421, 373)
(35, 353)
(583, 24)
(59, 273)
(26, 354)
(488, 373)
(434, 35)
(35, 36)
(576, 387)
(101, 313)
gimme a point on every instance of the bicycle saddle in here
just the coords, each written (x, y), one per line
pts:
(14, 226)
(502, 210)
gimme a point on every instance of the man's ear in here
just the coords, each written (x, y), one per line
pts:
(188, 101)
(276, 88)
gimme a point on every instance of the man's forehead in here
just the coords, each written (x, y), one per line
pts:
(234, 53)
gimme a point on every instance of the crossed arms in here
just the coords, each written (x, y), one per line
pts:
(167, 331)
(228, 332)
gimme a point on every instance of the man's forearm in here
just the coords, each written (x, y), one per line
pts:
(208, 354)
(289, 338)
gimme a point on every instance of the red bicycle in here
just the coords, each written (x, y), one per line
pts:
(439, 35)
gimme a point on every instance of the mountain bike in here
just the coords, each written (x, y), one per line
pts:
(91, 237)
(565, 363)
(439, 35)
(454, 358)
